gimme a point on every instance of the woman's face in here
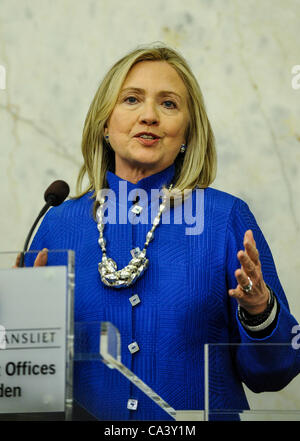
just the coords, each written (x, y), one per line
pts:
(153, 100)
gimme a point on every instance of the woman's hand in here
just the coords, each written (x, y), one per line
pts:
(256, 300)
(41, 259)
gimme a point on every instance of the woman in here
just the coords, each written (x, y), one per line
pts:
(147, 130)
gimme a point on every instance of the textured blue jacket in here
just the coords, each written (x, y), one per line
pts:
(184, 304)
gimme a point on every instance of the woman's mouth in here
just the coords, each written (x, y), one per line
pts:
(147, 141)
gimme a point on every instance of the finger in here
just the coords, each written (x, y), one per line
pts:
(248, 237)
(42, 258)
(236, 293)
(253, 253)
(247, 264)
(17, 263)
(241, 278)
(250, 247)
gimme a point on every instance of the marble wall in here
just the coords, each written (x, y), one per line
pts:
(53, 54)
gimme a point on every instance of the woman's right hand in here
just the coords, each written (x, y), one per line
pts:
(41, 258)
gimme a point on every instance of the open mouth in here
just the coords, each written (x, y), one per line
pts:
(147, 141)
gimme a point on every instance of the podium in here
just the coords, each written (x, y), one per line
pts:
(40, 345)
(36, 337)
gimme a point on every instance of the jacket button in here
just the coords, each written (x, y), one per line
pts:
(134, 300)
(133, 347)
(137, 209)
(132, 404)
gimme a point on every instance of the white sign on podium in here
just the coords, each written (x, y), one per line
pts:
(36, 333)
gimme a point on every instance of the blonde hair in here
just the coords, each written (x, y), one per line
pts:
(196, 168)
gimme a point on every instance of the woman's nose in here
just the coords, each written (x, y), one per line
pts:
(149, 114)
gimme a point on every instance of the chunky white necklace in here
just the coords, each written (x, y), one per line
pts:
(110, 275)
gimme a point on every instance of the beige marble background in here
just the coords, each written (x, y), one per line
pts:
(55, 52)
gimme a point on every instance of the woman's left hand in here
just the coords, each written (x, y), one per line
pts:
(256, 300)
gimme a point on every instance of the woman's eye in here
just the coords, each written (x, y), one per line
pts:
(131, 98)
(168, 103)
(173, 105)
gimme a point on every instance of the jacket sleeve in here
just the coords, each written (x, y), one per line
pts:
(271, 362)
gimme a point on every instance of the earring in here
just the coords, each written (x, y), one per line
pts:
(182, 148)
(107, 139)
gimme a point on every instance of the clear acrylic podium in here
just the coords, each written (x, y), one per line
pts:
(40, 344)
(283, 405)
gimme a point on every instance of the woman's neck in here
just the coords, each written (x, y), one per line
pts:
(135, 174)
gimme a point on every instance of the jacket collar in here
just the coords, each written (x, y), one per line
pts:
(155, 181)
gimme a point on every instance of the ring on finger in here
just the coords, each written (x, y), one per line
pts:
(248, 287)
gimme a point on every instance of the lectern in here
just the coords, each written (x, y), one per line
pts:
(36, 337)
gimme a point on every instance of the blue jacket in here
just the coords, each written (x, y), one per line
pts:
(184, 304)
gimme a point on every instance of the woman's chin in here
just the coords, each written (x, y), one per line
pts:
(147, 158)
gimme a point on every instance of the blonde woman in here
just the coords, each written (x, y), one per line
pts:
(170, 261)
